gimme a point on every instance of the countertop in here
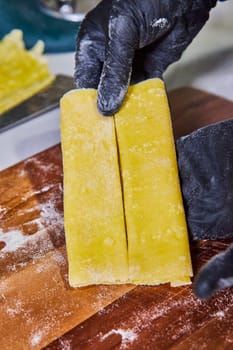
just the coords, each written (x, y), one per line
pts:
(207, 64)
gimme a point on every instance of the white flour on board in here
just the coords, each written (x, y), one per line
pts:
(127, 336)
(14, 239)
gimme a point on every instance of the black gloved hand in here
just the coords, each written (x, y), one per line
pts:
(205, 159)
(132, 40)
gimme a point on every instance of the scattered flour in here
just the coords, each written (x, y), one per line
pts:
(65, 344)
(49, 214)
(36, 338)
(13, 240)
(128, 335)
(220, 314)
(17, 309)
(3, 210)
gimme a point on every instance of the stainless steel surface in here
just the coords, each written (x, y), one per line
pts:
(38, 104)
(70, 10)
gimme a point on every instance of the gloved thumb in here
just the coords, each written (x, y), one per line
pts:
(117, 68)
(215, 275)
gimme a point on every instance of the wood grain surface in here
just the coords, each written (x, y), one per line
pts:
(38, 308)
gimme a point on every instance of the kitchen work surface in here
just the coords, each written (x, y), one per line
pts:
(40, 310)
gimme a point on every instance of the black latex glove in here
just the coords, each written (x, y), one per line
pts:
(132, 40)
(205, 159)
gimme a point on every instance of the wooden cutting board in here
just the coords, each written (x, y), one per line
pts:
(38, 308)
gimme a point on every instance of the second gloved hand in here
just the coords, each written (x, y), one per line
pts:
(132, 40)
(205, 159)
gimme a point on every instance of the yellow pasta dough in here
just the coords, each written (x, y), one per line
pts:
(123, 210)
(158, 247)
(93, 209)
(23, 72)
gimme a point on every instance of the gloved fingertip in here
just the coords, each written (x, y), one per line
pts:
(202, 289)
(106, 112)
(108, 102)
(107, 108)
(206, 283)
